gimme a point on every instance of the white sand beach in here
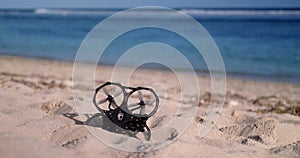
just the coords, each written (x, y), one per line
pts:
(259, 119)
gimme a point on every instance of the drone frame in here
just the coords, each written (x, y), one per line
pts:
(121, 115)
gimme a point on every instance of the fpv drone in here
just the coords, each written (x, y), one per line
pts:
(127, 107)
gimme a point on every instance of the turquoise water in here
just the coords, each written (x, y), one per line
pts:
(257, 44)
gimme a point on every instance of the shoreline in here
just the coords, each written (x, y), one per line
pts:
(200, 73)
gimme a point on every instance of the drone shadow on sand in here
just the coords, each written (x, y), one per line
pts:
(100, 120)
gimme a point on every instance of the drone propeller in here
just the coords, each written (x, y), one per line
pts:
(138, 107)
(133, 105)
(109, 95)
(150, 102)
(140, 95)
(141, 104)
(116, 94)
(102, 101)
(106, 92)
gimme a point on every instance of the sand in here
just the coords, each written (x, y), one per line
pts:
(259, 119)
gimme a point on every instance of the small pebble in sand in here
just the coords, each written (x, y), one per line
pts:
(233, 103)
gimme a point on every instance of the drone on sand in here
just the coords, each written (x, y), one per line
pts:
(127, 107)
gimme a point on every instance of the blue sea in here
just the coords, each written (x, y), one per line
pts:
(260, 44)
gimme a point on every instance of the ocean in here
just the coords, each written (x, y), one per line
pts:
(260, 44)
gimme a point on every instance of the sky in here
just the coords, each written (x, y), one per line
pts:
(136, 3)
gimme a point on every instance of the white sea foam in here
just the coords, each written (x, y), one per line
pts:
(240, 12)
(157, 12)
(194, 12)
(72, 11)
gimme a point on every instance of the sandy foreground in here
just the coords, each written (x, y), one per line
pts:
(258, 119)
